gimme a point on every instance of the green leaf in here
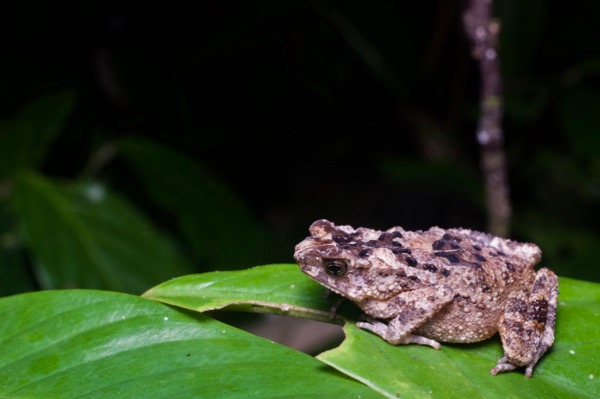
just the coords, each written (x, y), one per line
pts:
(281, 289)
(217, 227)
(24, 137)
(83, 236)
(568, 370)
(91, 344)
(400, 371)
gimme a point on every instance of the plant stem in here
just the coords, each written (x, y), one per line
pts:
(482, 31)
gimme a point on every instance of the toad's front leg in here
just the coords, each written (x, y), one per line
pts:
(527, 326)
(410, 309)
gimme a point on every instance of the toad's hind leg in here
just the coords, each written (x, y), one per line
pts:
(527, 326)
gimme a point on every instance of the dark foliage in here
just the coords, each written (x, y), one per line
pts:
(219, 131)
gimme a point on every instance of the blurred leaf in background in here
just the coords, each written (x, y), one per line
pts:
(26, 135)
(216, 226)
(85, 236)
(80, 232)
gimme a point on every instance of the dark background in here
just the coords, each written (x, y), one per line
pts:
(363, 113)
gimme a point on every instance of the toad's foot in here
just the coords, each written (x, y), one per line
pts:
(382, 330)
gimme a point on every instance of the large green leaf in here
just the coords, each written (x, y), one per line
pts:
(25, 136)
(215, 224)
(92, 344)
(82, 236)
(567, 371)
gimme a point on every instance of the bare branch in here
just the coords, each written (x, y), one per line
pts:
(482, 30)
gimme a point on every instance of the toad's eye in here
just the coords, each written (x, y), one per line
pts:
(335, 267)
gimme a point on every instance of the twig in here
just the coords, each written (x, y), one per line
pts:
(482, 30)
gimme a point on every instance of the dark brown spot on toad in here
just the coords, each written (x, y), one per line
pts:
(480, 257)
(452, 258)
(449, 237)
(460, 298)
(396, 234)
(445, 272)
(410, 261)
(538, 311)
(510, 266)
(476, 247)
(446, 242)
(517, 306)
(364, 253)
(515, 327)
(439, 244)
(397, 251)
(430, 268)
(340, 239)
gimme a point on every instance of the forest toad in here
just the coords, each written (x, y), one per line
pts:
(453, 285)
